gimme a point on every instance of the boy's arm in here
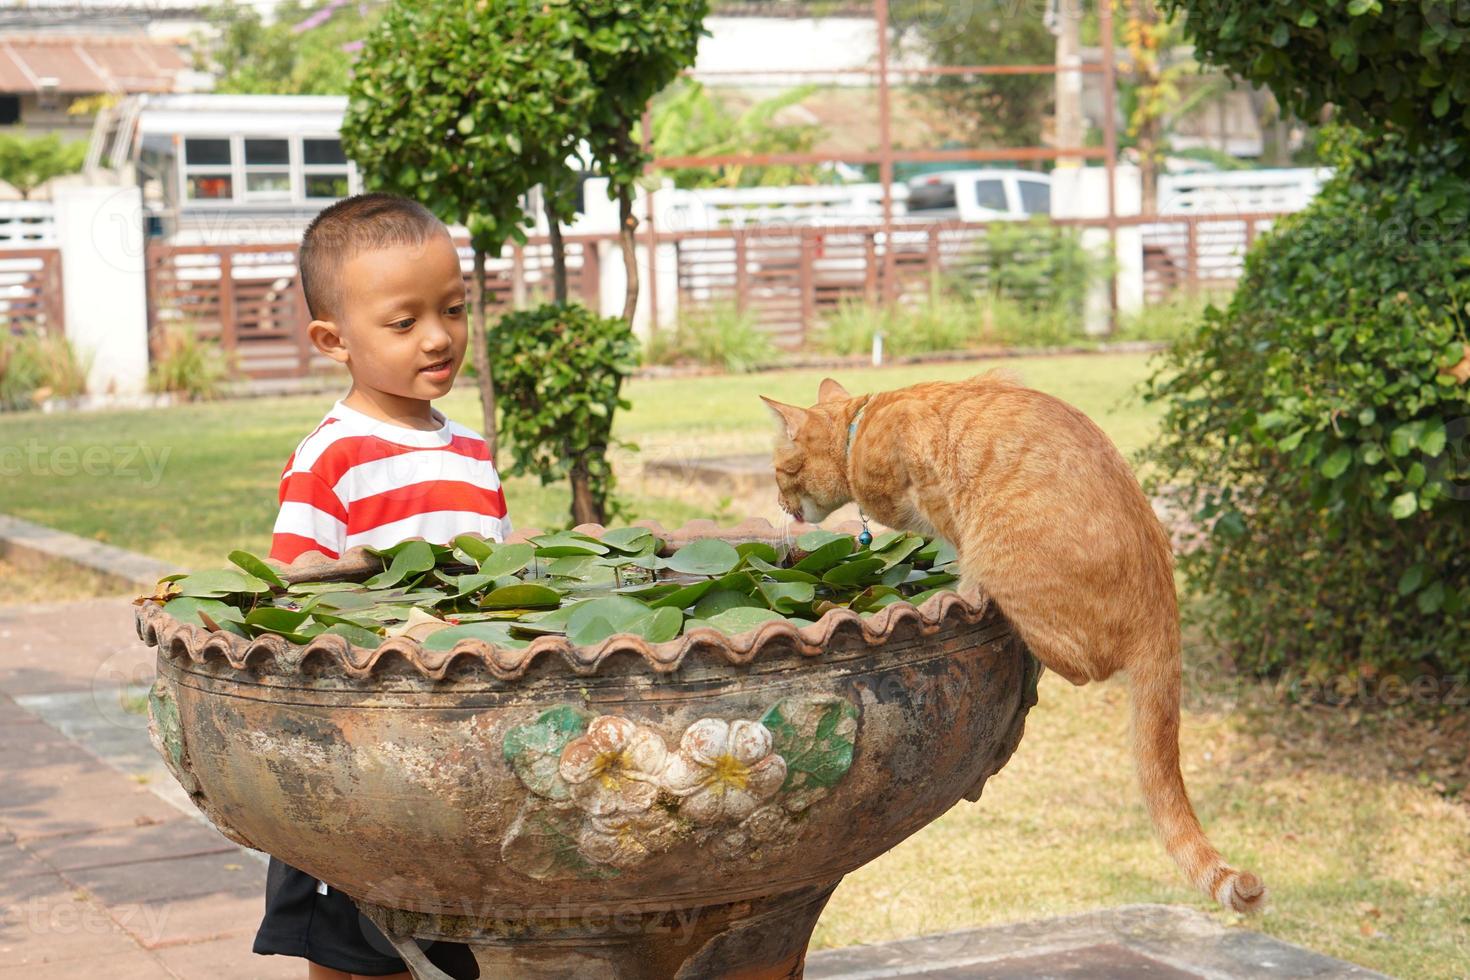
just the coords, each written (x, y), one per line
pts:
(312, 518)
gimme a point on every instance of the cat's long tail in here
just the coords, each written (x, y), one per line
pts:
(1155, 686)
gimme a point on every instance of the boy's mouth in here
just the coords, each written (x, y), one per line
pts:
(438, 367)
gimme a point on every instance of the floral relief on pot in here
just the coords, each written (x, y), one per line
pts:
(607, 793)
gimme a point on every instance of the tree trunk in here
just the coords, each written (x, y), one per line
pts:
(1149, 70)
(480, 352)
(558, 253)
(627, 230)
(586, 509)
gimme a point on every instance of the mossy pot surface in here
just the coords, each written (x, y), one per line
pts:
(710, 790)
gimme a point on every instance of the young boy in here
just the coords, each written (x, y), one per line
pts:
(387, 298)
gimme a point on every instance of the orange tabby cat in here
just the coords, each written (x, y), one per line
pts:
(1048, 520)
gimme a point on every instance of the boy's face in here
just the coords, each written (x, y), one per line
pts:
(402, 322)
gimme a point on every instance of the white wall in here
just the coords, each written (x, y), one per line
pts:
(1082, 192)
(100, 232)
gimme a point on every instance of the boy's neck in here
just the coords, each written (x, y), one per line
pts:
(411, 413)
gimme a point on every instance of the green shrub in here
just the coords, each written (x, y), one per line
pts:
(188, 365)
(38, 364)
(1171, 319)
(559, 372)
(1040, 266)
(1314, 432)
(717, 335)
(944, 321)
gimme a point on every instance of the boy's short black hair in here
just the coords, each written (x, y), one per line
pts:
(353, 225)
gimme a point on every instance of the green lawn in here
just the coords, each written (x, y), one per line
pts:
(216, 467)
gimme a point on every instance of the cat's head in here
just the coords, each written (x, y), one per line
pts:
(811, 453)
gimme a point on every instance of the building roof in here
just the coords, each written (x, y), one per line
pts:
(81, 65)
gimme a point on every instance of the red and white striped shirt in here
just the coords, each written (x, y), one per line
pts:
(357, 480)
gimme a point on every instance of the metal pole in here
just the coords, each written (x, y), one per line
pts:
(885, 150)
(1110, 146)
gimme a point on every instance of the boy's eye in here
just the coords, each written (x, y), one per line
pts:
(455, 310)
(403, 324)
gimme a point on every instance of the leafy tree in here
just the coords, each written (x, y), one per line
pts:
(559, 369)
(1400, 63)
(1316, 427)
(688, 121)
(306, 49)
(1004, 110)
(465, 105)
(27, 162)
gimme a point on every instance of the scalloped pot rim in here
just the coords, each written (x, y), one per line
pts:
(175, 638)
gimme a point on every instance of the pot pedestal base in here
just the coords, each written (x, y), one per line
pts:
(757, 939)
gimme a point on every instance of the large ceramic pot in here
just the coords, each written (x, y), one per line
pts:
(681, 809)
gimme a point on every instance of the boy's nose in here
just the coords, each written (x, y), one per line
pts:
(436, 337)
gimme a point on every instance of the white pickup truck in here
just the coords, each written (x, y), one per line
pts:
(979, 195)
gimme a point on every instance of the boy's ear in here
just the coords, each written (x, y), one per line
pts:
(830, 390)
(790, 417)
(326, 336)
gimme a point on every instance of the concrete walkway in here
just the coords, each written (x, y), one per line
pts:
(107, 870)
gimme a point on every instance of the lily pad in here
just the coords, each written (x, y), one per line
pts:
(853, 572)
(788, 597)
(524, 596)
(706, 556)
(657, 625)
(735, 621)
(508, 559)
(257, 567)
(567, 543)
(355, 635)
(186, 609)
(827, 555)
(718, 600)
(629, 540)
(214, 583)
(414, 557)
(475, 546)
(491, 632)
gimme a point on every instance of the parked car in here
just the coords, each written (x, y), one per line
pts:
(979, 195)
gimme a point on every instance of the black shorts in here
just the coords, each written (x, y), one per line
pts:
(329, 931)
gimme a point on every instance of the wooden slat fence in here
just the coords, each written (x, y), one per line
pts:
(30, 289)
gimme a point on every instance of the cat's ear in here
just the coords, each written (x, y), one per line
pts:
(831, 391)
(789, 416)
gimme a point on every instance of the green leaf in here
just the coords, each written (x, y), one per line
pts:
(357, 635)
(788, 597)
(1431, 599)
(497, 632)
(412, 558)
(567, 543)
(707, 556)
(526, 596)
(758, 549)
(735, 621)
(718, 600)
(507, 560)
(477, 547)
(1404, 505)
(813, 540)
(629, 540)
(1335, 465)
(1401, 441)
(221, 582)
(275, 620)
(827, 555)
(1412, 578)
(657, 625)
(186, 609)
(1432, 442)
(851, 573)
(683, 597)
(257, 567)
